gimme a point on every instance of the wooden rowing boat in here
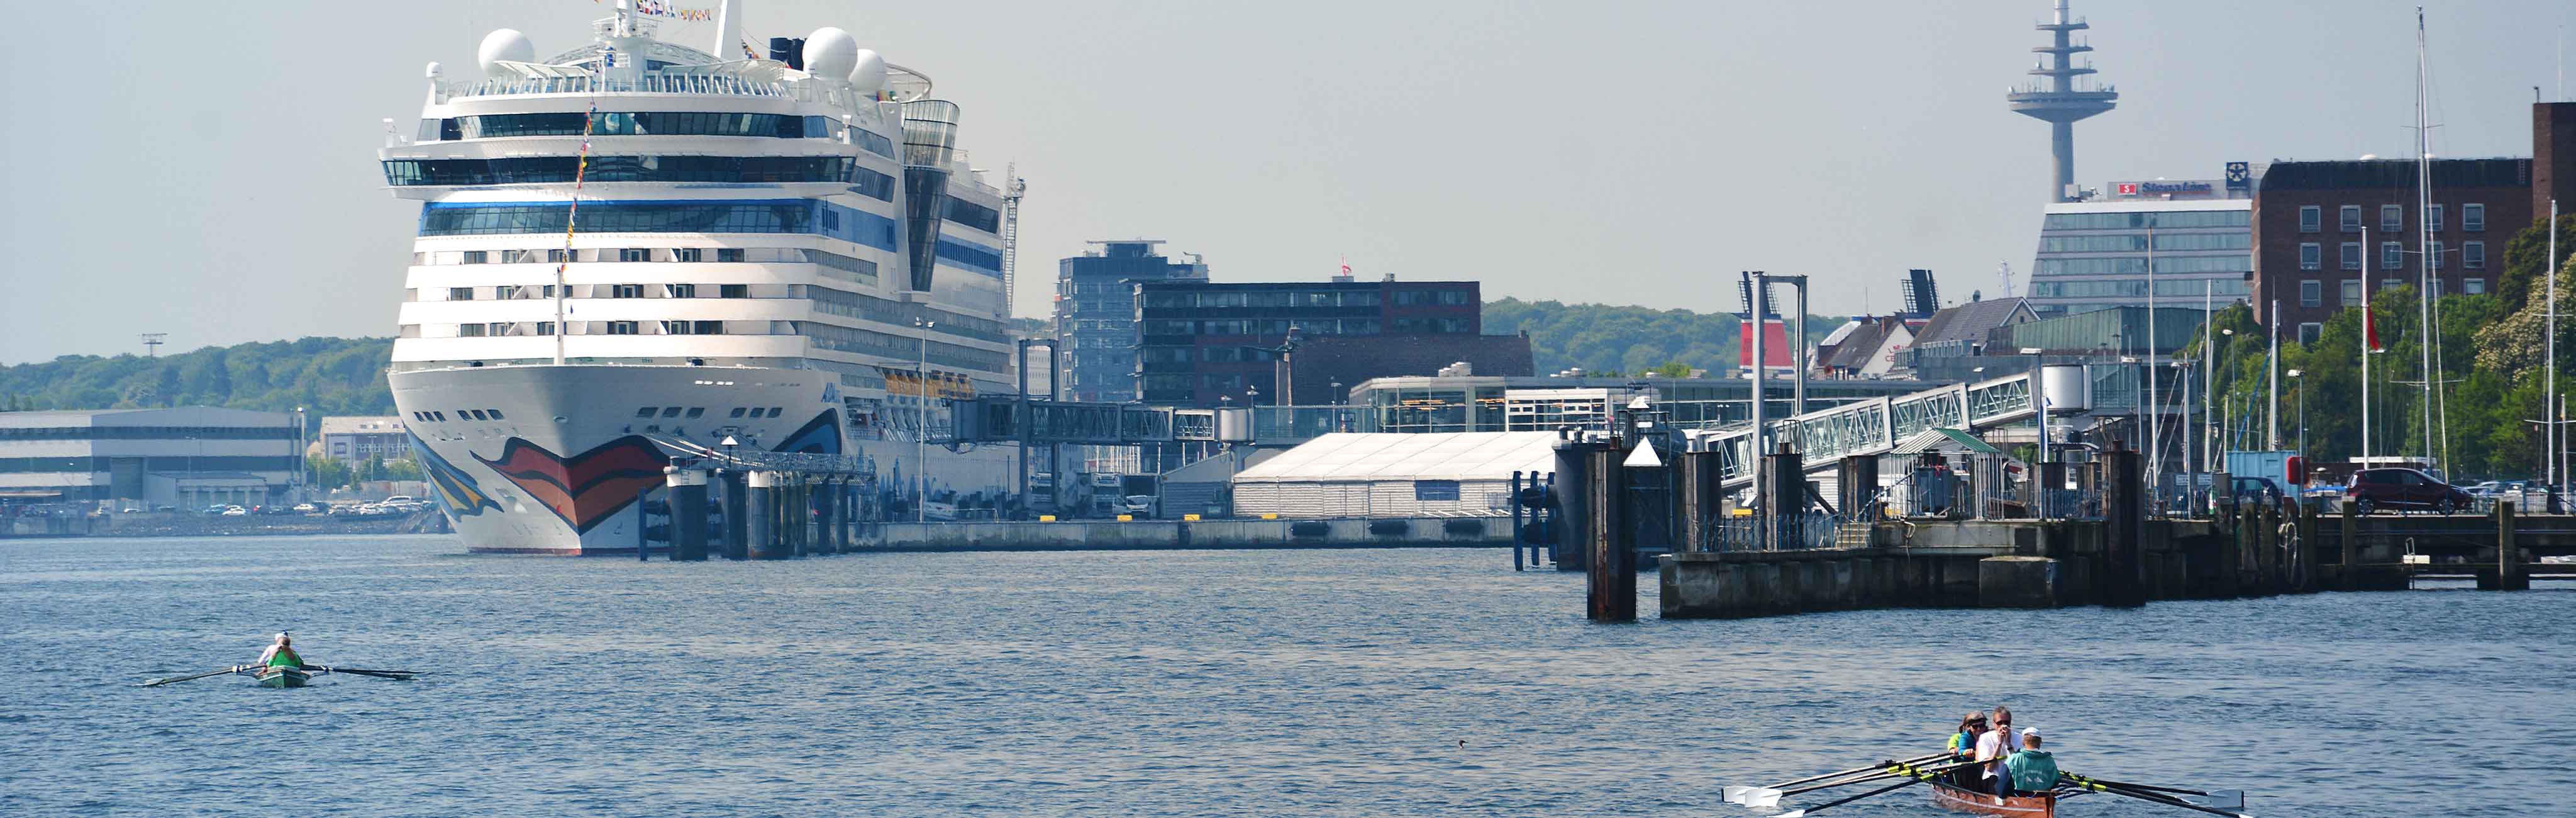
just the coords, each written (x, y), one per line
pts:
(2043, 805)
(283, 677)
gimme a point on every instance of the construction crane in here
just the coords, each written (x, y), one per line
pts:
(1013, 187)
(2003, 270)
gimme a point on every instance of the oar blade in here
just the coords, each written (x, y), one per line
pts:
(1762, 798)
(2219, 799)
(1735, 793)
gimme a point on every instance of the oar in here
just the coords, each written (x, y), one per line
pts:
(2222, 799)
(2091, 785)
(1767, 798)
(1735, 792)
(160, 682)
(1795, 813)
(399, 675)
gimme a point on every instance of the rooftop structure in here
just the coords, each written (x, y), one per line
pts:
(2060, 101)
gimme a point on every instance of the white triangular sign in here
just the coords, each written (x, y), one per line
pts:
(1643, 457)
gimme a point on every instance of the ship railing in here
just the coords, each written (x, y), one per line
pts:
(649, 84)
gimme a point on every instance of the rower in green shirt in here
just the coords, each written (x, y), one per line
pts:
(2033, 770)
(281, 654)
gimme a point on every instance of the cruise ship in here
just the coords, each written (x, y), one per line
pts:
(636, 247)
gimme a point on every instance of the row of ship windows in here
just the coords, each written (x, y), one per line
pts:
(2392, 218)
(695, 412)
(2392, 255)
(787, 255)
(561, 169)
(501, 329)
(826, 300)
(508, 292)
(651, 123)
(461, 414)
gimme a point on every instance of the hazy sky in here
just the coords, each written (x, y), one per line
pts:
(209, 171)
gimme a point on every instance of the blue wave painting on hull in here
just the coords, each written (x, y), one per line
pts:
(822, 435)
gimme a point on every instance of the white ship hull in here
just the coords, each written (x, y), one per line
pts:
(572, 456)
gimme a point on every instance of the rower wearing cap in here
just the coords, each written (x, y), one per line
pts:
(1963, 745)
(281, 653)
(2032, 770)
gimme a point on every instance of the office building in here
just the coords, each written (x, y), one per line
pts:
(1095, 314)
(1202, 344)
(189, 456)
(2095, 254)
(358, 438)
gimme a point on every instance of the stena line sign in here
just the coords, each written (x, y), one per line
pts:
(2193, 188)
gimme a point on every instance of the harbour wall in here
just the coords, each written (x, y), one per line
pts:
(1148, 535)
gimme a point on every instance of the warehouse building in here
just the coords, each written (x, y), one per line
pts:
(1354, 474)
(188, 457)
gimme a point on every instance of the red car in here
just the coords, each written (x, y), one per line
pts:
(2375, 489)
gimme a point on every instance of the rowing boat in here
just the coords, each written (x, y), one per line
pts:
(2043, 805)
(283, 677)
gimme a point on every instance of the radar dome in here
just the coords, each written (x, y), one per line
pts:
(504, 44)
(831, 52)
(870, 76)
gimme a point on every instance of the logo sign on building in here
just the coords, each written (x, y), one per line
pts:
(2240, 177)
(2162, 189)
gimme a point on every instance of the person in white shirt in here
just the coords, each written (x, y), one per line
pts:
(1992, 747)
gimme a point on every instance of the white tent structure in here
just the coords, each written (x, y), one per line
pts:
(1445, 474)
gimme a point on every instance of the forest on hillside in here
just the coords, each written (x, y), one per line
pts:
(326, 376)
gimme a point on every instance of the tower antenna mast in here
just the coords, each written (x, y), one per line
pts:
(2059, 101)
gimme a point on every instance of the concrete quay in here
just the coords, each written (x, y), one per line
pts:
(1155, 535)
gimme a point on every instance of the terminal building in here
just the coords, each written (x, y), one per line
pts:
(1095, 314)
(185, 457)
(360, 438)
(2096, 253)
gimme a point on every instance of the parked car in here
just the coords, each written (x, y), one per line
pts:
(304, 508)
(1139, 505)
(2484, 488)
(217, 508)
(236, 511)
(2375, 489)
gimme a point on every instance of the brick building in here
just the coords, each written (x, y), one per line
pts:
(2319, 225)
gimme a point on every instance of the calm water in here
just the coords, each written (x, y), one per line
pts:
(1206, 683)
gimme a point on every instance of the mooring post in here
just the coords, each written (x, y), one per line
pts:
(2348, 576)
(2509, 575)
(2249, 531)
(761, 515)
(1784, 500)
(1517, 543)
(1611, 571)
(737, 514)
(1571, 548)
(2303, 554)
(688, 513)
(2124, 519)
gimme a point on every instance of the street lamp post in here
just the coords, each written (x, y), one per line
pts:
(2302, 386)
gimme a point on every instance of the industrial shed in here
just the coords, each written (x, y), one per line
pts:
(1445, 474)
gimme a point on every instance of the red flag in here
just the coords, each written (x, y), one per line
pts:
(2369, 329)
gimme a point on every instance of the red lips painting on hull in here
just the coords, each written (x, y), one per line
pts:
(585, 489)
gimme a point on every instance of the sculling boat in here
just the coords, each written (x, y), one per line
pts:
(2043, 805)
(283, 677)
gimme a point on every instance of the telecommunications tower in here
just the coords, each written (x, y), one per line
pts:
(2059, 100)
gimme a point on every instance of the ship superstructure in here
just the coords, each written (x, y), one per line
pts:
(634, 244)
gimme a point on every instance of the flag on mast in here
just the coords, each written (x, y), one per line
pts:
(1346, 266)
(2369, 329)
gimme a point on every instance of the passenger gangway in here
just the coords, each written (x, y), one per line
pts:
(1877, 425)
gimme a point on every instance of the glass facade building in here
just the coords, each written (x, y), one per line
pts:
(1203, 344)
(2096, 254)
(1095, 314)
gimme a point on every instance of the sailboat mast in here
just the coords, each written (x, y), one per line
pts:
(2424, 239)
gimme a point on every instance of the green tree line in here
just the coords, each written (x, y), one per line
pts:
(1614, 340)
(326, 376)
(2490, 353)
